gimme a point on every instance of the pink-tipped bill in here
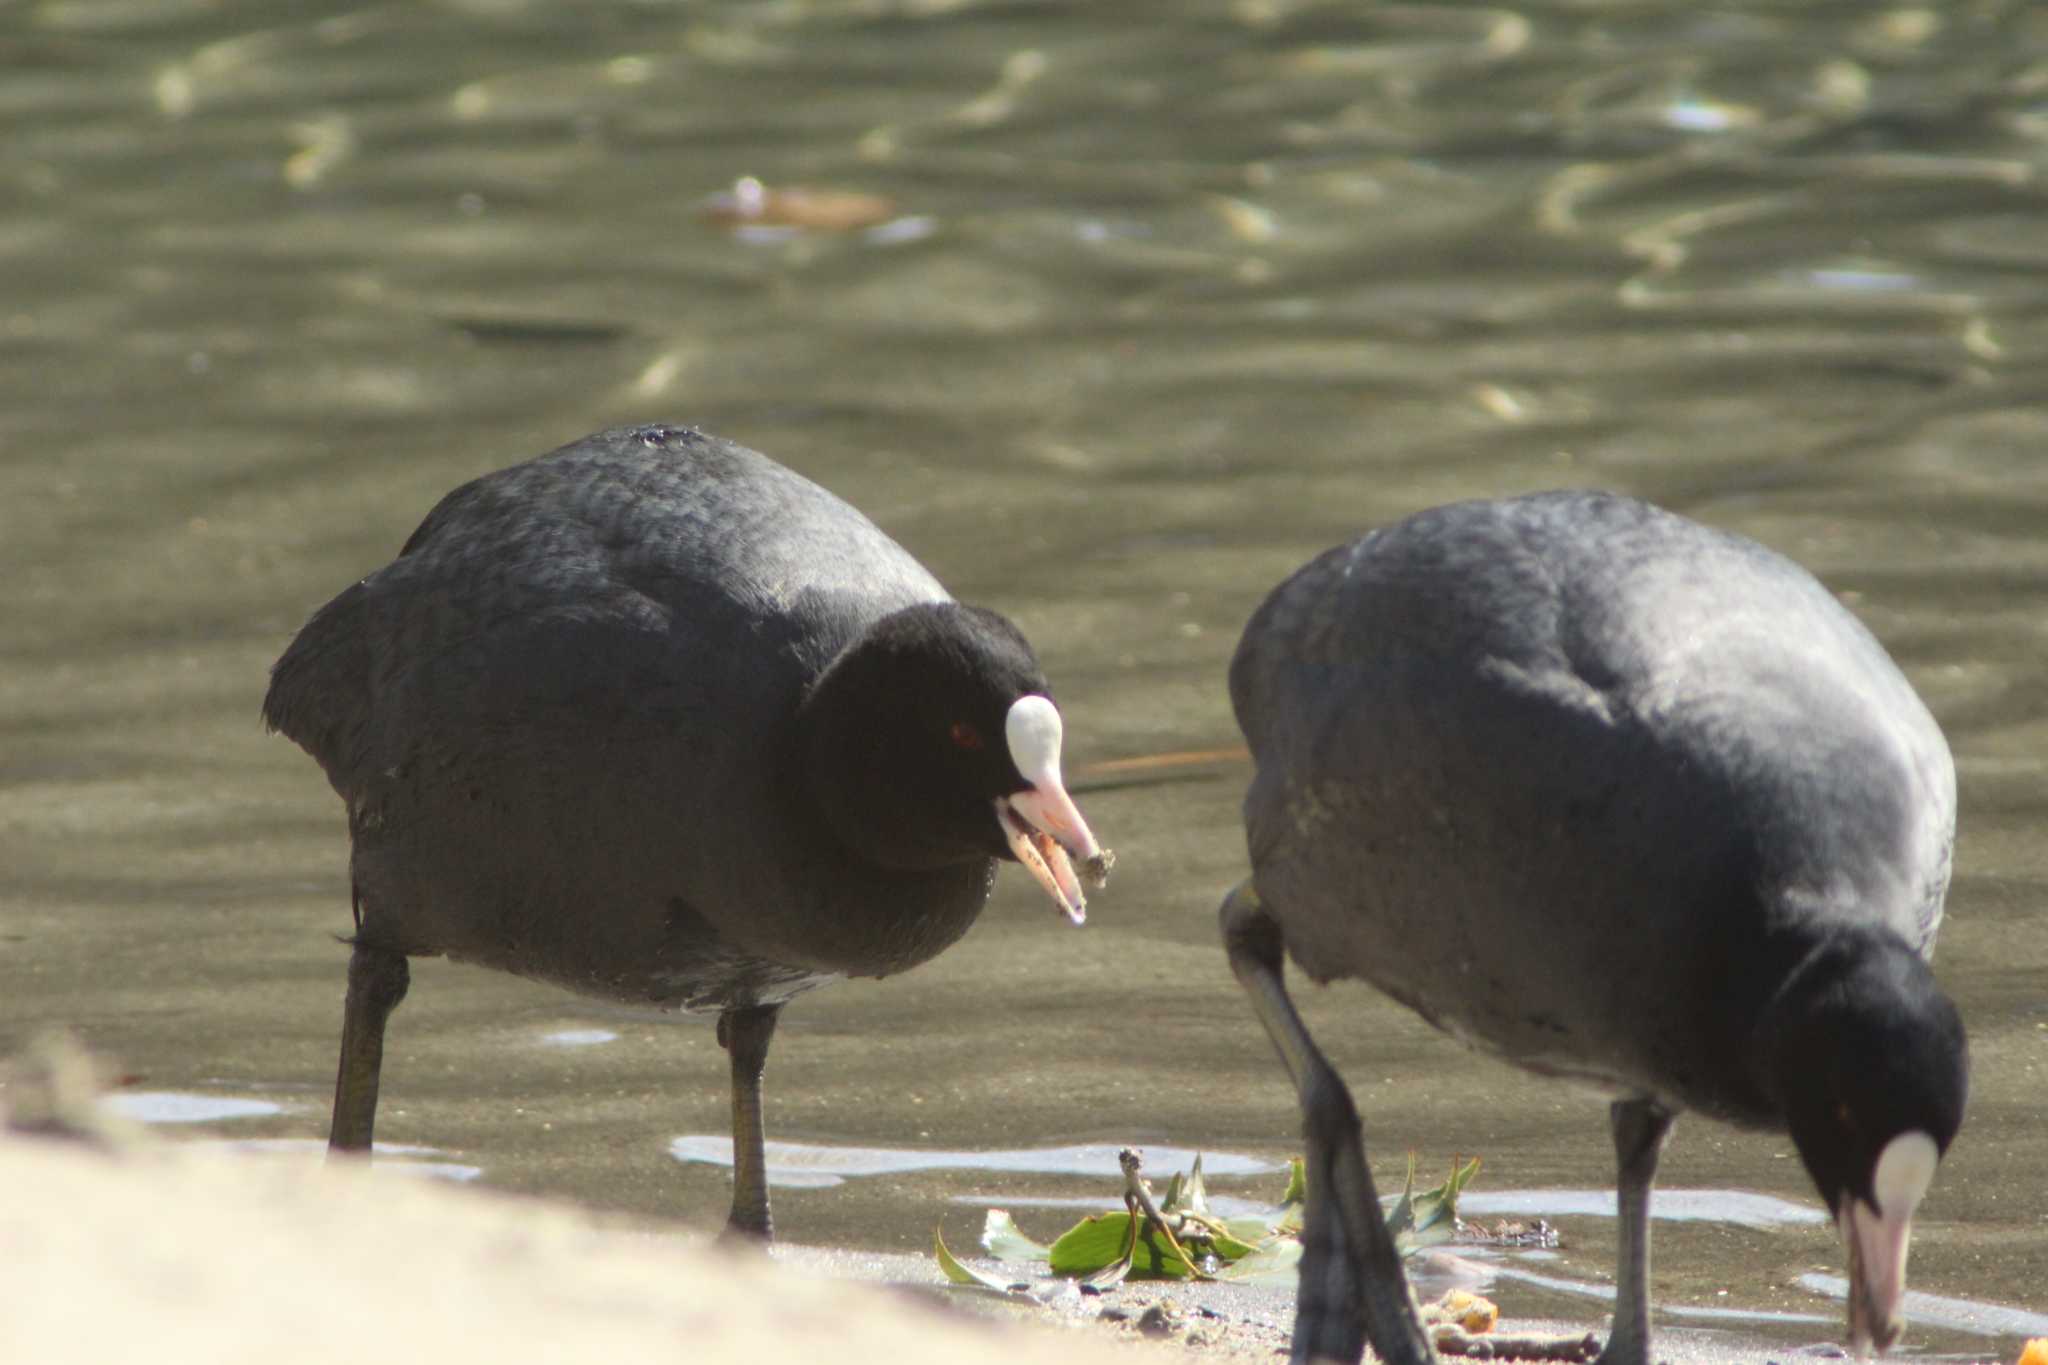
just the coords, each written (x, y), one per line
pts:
(1877, 1237)
(1044, 827)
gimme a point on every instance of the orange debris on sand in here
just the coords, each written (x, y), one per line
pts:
(1464, 1309)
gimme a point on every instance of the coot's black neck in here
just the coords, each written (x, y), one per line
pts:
(1857, 1045)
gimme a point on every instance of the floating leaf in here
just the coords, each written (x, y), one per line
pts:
(1094, 1244)
(951, 1267)
(1114, 1273)
(1400, 1214)
(1297, 1184)
(1275, 1262)
(1430, 1218)
(1004, 1240)
(1193, 1195)
(1263, 1247)
(1090, 1244)
(1286, 1218)
(1206, 1233)
(1254, 1227)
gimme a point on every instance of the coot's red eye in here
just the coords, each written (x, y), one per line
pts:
(965, 735)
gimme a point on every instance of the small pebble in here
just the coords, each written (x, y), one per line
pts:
(1162, 1319)
(1095, 872)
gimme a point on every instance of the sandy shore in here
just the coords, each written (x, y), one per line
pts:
(178, 1256)
(117, 1252)
(115, 1246)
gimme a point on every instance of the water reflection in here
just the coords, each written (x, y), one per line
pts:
(1940, 1310)
(168, 1106)
(579, 1037)
(403, 1159)
(1741, 1208)
(800, 1165)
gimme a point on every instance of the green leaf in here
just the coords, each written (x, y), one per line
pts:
(1430, 1218)
(1297, 1183)
(1203, 1234)
(1262, 1247)
(1090, 1244)
(1400, 1215)
(1275, 1262)
(1194, 1195)
(952, 1269)
(1004, 1240)
(1254, 1227)
(1114, 1273)
(1294, 1202)
(1093, 1244)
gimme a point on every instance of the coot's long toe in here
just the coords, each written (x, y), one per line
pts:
(656, 719)
(1618, 798)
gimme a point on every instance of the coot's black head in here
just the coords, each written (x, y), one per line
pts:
(933, 739)
(1873, 1069)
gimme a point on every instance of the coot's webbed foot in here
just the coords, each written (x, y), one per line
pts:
(744, 1031)
(1353, 1288)
(377, 981)
(1640, 1129)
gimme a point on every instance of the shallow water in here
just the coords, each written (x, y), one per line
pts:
(1185, 294)
(808, 1165)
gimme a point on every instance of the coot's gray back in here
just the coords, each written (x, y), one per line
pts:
(1500, 743)
(564, 676)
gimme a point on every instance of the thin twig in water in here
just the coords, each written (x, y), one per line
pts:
(1136, 1193)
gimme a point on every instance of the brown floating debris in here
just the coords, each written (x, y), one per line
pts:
(751, 204)
(1514, 1232)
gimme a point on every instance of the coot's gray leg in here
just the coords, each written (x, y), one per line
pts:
(744, 1032)
(1640, 1128)
(1352, 1285)
(377, 980)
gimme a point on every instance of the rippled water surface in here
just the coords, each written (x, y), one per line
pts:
(1159, 301)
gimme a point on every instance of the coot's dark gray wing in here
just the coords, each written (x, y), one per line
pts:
(634, 532)
(579, 676)
(1503, 746)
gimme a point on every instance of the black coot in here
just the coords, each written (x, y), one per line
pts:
(1620, 799)
(656, 719)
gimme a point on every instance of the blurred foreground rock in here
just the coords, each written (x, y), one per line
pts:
(116, 1249)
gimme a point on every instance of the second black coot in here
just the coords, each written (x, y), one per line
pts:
(654, 718)
(1621, 799)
